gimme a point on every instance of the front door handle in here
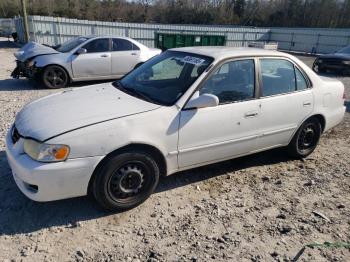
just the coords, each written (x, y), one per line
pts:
(307, 103)
(133, 54)
(250, 114)
(104, 55)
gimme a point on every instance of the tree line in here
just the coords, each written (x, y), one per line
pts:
(281, 13)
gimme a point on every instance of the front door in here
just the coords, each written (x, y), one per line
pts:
(227, 130)
(95, 63)
(286, 101)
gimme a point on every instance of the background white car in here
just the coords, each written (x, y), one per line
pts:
(185, 108)
(81, 59)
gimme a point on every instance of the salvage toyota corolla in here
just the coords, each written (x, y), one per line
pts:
(185, 108)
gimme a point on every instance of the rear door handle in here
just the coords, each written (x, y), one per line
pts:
(250, 114)
(306, 103)
(133, 54)
(104, 55)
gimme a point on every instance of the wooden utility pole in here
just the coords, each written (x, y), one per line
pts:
(25, 21)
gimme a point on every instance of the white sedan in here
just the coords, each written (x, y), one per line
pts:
(185, 108)
(81, 59)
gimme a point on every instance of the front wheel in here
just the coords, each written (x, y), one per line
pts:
(305, 139)
(125, 180)
(55, 77)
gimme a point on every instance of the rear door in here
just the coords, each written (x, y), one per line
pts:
(95, 63)
(125, 56)
(286, 99)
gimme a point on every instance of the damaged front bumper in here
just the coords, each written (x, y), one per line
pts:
(23, 69)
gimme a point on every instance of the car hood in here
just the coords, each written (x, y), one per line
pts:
(33, 49)
(60, 113)
(335, 56)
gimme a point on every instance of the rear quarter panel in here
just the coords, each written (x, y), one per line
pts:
(329, 100)
(328, 96)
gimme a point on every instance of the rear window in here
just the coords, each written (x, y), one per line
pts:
(280, 76)
(123, 45)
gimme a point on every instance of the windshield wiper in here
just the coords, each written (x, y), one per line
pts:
(134, 92)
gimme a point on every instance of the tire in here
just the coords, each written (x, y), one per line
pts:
(55, 77)
(125, 180)
(305, 139)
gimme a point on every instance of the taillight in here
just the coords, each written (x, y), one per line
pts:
(344, 96)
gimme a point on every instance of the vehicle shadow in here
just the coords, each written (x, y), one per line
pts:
(17, 85)
(8, 43)
(214, 170)
(11, 84)
(19, 215)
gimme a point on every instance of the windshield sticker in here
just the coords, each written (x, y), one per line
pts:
(192, 60)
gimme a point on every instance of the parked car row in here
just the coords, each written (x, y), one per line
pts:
(81, 59)
(109, 57)
(184, 108)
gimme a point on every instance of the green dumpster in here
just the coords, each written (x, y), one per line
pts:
(165, 40)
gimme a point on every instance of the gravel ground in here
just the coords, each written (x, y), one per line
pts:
(263, 207)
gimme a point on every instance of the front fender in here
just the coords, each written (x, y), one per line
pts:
(157, 128)
(61, 59)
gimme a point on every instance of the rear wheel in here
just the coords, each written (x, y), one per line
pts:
(305, 139)
(125, 180)
(55, 77)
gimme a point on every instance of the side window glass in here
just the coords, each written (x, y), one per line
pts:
(301, 81)
(277, 76)
(135, 47)
(233, 81)
(98, 45)
(121, 45)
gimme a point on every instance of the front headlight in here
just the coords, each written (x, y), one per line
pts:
(45, 152)
(319, 61)
(346, 62)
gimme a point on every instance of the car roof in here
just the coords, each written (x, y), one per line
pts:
(108, 36)
(120, 37)
(222, 52)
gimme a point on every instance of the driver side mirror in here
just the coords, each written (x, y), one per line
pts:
(81, 51)
(201, 101)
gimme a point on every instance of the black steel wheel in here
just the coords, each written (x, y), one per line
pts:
(125, 180)
(55, 77)
(306, 138)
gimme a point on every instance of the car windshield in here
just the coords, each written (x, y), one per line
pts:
(164, 78)
(344, 50)
(71, 44)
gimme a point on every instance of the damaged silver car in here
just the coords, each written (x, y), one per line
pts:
(81, 59)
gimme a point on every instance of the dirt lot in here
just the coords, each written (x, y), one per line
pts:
(256, 208)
